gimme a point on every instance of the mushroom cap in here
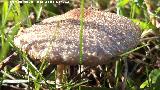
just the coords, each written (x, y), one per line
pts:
(56, 39)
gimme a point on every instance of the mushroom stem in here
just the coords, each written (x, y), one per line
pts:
(59, 76)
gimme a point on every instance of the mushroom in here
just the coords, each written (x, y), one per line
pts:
(105, 35)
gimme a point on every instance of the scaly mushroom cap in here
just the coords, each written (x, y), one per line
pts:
(56, 39)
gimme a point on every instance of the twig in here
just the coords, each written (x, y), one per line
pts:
(7, 60)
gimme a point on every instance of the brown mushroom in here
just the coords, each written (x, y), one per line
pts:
(56, 39)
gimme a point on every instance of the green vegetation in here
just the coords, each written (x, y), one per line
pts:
(136, 69)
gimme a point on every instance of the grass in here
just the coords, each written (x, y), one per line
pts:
(137, 68)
